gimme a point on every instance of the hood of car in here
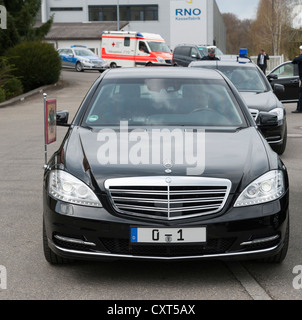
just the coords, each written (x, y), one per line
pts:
(239, 156)
(262, 101)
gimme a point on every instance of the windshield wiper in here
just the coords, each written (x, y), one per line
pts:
(240, 128)
(87, 127)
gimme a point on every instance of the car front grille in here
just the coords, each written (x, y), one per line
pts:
(168, 198)
(98, 63)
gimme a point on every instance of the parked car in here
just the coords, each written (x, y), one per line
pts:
(184, 54)
(81, 58)
(286, 74)
(257, 93)
(165, 164)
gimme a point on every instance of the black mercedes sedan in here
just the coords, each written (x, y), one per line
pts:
(286, 74)
(165, 164)
(258, 94)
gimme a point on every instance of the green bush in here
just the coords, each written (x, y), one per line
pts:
(35, 63)
(13, 87)
(2, 95)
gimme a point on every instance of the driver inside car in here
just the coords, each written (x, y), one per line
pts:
(196, 99)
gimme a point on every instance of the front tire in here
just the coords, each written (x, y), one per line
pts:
(79, 67)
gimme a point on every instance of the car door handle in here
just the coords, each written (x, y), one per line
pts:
(294, 81)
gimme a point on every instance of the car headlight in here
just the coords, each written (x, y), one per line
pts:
(85, 61)
(65, 187)
(279, 112)
(160, 60)
(268, 187)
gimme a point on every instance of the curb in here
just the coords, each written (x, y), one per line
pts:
(30, 94)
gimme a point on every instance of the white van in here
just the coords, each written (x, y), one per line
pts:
(134, 49)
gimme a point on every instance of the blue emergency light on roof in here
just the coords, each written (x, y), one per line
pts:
(79, 46)
(139, 35)
(243, 53)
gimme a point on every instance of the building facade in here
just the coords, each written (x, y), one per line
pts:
(177, 21)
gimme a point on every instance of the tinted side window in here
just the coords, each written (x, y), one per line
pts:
(194, 52)
(182, 51)
(285, 71)
(127, 42)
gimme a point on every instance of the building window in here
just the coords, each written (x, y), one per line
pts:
(151, 13)
(67, 9)
(127, 13)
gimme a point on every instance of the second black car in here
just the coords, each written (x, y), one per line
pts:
(258, 94)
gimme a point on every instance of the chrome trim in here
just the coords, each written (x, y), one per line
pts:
(290, 101)
(76, 241)
(256, 241)
(254, 113)
(207, 256)
(274, 142)
(165, 206)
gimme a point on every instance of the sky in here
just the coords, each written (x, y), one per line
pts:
(243, 9)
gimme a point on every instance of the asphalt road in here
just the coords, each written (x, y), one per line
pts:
(30, 277)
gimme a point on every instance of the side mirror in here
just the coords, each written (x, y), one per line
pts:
(278, 88)
(267, 119)
(272, 76)
(62, 118)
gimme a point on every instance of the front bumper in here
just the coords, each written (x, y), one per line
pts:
(274, 135)
(85, 233)
(93, 66)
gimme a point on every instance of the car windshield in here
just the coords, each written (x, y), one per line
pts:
(150, 102)
(157, 46)
(247, 79)
(204, 51)
(84, 53)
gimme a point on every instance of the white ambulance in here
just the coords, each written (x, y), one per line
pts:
(134, 49)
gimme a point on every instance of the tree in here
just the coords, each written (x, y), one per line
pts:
(237, 32)
(272, 25)
(10, 85)
(21, 20)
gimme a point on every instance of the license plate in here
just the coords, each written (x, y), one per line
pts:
(168, 235)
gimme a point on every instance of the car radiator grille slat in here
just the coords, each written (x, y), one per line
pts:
(167, 198)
